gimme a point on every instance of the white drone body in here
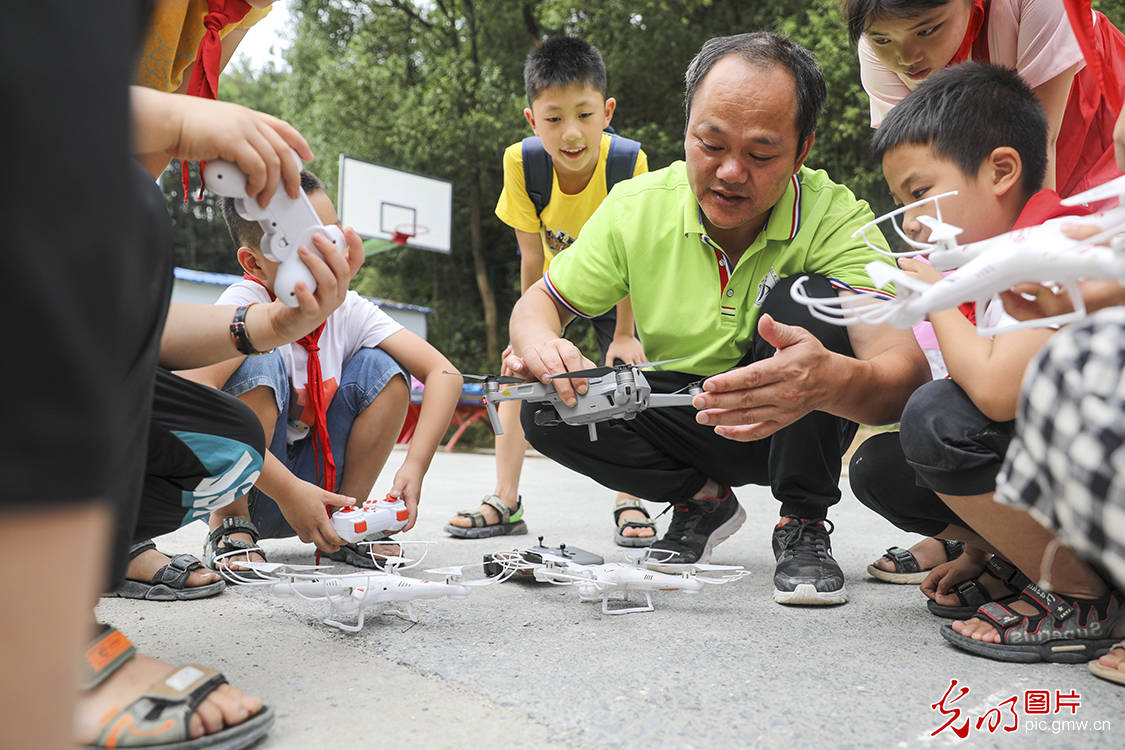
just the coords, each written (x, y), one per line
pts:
(983, 269)
(618, 581)
(619, 392)
(287, 222)
(350, 596)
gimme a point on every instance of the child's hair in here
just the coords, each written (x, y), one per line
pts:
(966, 111)
(858, 14)
(249, 233)
(563, 61)
(764, 49)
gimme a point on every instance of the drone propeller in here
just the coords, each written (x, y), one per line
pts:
(594, 372)
(711, 567)
(501, 379)
(1112, 189)
(939, 230)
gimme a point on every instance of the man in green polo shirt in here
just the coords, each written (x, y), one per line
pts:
(707, 250)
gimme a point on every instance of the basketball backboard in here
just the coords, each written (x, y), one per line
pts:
(395, 206)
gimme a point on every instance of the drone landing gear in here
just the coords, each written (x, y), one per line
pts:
(623, 596)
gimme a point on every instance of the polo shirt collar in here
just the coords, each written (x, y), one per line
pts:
(782, 225)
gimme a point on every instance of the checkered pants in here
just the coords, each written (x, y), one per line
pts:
(1066, 463)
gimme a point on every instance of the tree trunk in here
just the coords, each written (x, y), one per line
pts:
(476, 241)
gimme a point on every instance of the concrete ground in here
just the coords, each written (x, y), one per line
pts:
(527, 665)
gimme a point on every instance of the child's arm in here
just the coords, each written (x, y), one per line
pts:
(988, 369)
(625, 346)
(302, 503)
(531, 258)
(438, 403)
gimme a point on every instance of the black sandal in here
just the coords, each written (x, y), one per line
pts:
(631, 503)
(168, 584)
(973, 593)
(219, 544)
(907, 569)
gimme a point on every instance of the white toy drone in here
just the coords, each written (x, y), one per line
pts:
(617, 581)
(984, 269)
(617, 392)
(351, 595)
(287, 222)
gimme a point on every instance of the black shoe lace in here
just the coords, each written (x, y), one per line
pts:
(814, 543)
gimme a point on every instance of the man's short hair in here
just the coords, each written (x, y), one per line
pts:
(966, 111)
(858, 14)
(764, 49)
(249, 233)
(563, 61)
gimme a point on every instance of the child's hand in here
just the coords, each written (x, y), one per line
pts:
(920, 270)
(305, 512)
(407, 486)
(512, 365)
(628, 349)
(943, 578)
(333, 272)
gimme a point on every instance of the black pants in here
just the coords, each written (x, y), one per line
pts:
(665, 455)
(946, 445)
(205, 450)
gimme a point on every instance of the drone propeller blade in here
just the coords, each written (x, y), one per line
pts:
(452, 570)
(501, 379)
(1112, 189)
(710, 567)
(939, 230)
(592, 372)
(643, 365)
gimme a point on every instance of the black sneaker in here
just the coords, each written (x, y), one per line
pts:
(806, 572)
(697, 526)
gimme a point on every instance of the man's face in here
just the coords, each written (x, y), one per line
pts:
(913, 172)
(570, 120)
(741, 147)
(918, 46)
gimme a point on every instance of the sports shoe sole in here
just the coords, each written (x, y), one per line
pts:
(806, 593)
(718, 536)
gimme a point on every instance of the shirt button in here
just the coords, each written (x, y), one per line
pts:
(730, 292)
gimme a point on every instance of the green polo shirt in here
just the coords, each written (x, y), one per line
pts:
(647, 242)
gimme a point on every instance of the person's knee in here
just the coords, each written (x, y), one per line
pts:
(868, 467)
(926, 424)
(779, 304)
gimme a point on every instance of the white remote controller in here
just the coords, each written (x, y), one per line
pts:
(287, 222)
(354, 523)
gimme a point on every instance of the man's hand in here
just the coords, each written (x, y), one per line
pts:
(628, 349)
(552, 357)
(305, 512)
(755, 401)
(333, 272)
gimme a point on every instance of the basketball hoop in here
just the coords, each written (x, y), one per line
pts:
(403, 232)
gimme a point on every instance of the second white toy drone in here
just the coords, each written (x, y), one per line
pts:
(983, 269)
(617, 582)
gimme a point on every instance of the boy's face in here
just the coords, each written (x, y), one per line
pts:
(914, 171)
(570, 120)
(917, 46)
(266, 269)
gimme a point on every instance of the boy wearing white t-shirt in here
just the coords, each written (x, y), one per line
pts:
(328, 441)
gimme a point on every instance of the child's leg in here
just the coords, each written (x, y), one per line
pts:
(205, 450)
(1024, 541)
(364, 420)
(262, 383)
(510, 449)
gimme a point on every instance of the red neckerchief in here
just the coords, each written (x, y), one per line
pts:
(204, 81)
(314, 389)
(1082, 23)
(1041, 207)
(976, 22)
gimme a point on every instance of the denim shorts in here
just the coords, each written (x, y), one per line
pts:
(364, 376)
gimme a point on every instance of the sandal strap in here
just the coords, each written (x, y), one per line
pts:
(140, 547)
(628, 503)
(953, 548)
(234, 525)
(904, 560)
(1000, 617)
(105, 654)
(162, 714)
(633, 523)
(501, 509)
(972, 594)
(176, 572)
